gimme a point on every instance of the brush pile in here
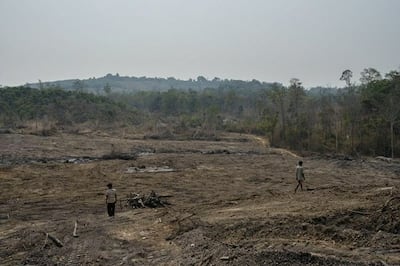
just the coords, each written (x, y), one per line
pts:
(135, 200)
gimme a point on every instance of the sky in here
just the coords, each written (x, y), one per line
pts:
(267, 40)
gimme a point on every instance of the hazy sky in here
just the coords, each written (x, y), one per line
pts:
(268, 40)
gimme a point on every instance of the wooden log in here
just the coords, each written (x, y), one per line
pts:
(55, 240)
(75, 228)
(361, 213)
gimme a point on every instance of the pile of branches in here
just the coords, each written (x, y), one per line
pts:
(388, 217)
(153, 200)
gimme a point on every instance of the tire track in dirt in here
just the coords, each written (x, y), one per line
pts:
(265, 143)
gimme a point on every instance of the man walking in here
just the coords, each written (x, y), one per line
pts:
(111, 199)
(299, 176)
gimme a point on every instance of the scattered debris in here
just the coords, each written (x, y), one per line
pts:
(4, 216)
(386, 218)
(151, 169)
(153, 200)
(6, 131)
(223, 151)
(135, 201)
(384, 159)
(79, 160)
(386, 189)
(119, 156)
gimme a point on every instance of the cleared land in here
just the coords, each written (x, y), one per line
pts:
(232, 203)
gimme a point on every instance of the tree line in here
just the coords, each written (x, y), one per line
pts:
(358, 119)
(21, 104)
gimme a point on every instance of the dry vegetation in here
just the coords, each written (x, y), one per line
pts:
(232, 203)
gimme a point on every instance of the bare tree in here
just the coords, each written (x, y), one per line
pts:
(346, 76)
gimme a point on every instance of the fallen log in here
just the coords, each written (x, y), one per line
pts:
(55, 240)
(360, 213)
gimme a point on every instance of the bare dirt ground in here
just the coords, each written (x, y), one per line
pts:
(232, 203)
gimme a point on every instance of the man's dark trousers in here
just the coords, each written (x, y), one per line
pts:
(111, 209)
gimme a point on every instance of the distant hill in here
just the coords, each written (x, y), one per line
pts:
(117, 83)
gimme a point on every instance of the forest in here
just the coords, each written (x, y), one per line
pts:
(56, 109)
(360, 118)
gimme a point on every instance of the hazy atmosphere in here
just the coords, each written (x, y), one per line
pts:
(233, 132)
(313, 40)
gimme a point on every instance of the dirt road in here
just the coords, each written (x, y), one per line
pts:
(232, 203)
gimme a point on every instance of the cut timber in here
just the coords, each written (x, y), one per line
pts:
(390, 189)
(361, 213)
(384, 188)
(75, 227)
(55, 240)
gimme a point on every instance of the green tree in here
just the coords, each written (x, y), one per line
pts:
(369, 74)
(278, 94)
(78, 85)
(107, 88)
(381, 99)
